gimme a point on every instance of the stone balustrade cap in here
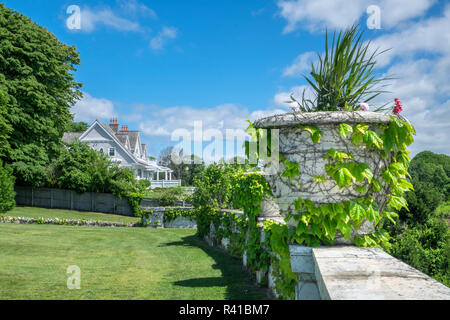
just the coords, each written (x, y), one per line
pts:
(325, 117)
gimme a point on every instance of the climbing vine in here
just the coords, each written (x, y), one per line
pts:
(315, 223)
(319, 223)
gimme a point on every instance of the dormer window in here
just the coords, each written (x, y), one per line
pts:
(112, 152)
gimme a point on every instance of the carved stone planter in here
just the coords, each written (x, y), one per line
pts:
(296, 146)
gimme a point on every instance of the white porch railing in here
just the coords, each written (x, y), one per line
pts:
(165, 183)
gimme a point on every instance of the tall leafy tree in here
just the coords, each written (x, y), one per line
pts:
(77, 127)
(36, 74)
(5, 128)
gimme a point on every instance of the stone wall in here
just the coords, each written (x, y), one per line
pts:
(156, 219)
(348, 272)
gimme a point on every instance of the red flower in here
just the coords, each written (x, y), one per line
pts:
(397, 107)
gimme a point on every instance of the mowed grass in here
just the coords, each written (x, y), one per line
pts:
(117, 263)
(32, 212)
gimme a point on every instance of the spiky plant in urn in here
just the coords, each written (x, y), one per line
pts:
(342, 167)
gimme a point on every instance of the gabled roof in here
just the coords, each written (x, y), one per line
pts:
(133, 136)
(124, 140)
(113, 136)
(70, 137)
(128, 141)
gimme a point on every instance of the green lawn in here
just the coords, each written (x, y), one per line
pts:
(117, 263)
(31, 212)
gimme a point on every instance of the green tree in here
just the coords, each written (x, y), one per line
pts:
(7, 193)
(77, 127)
(191, 166)
(422, 203)
(5, 128)
(84, 169)
(37, 78)
(214, 186)
(433, 168)
(81, 168)
(421, 238)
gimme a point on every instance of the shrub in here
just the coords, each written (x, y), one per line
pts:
(83, 169)
(426, 248)
(7, 193)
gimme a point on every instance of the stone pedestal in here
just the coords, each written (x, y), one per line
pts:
(302, 263)
(296, 145)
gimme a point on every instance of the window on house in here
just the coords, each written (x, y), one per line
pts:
(101, 150)
(139, 173)
(112, 152)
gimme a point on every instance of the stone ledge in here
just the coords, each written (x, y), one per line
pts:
(353, 273)
(329, 117)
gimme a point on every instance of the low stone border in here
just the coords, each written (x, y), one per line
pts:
(67, 222)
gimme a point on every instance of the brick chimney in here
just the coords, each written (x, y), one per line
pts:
(124, 129)
(114, 125)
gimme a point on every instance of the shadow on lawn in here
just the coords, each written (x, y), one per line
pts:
(234, 277)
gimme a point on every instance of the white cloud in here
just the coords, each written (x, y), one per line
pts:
(425, 37)
(283, 98)
(162, 121)
(420, 62)
(167, 33)
(395, 12)
(134, 7)
(92, 18)
(337, 14)
(300, 64)
(422, 85)
(89, 109)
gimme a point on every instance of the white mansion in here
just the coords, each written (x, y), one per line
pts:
(124, 147)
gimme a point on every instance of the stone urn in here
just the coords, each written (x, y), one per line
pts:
(296, 145)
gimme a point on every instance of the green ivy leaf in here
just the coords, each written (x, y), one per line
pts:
(372, 139)
(344, 129)
(362, 171)
(361, 128)
(391, 216)
(376, 185)
(346, 230)
(405, 185)
(319, 179)
(315, 230)
(292, 169)
(301, 228)
(357, 212)
(361, 189)
(398, 202)
(343, 177)
(315, 132)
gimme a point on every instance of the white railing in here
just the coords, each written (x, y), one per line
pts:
(165, 183)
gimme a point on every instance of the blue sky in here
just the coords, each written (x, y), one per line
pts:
(160, 65)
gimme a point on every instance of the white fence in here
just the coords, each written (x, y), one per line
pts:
(165, 183)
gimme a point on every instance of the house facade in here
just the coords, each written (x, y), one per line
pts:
(125, 147)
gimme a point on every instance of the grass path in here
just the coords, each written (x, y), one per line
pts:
(32, 212)
(117, 263)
